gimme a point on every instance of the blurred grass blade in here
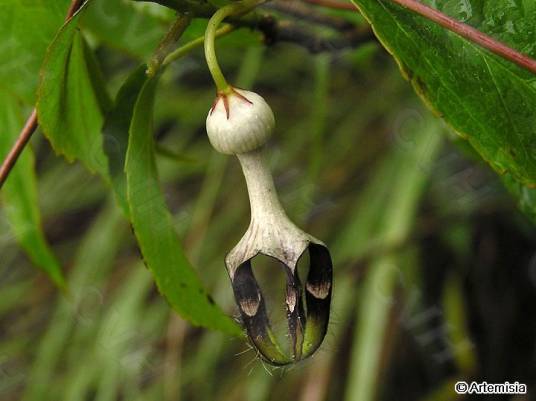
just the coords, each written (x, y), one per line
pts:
(19, 195)
(159, 243)
(95, 256)
(116, 129)
(370, 329)
(361, 233)
(117, 334)
(391, 196)
(457, 320)
(318, 118)
(405, 178)
(72, 99)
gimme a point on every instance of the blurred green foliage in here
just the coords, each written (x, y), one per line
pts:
(435, 269)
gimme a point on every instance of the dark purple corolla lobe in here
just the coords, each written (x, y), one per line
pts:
(307, 326)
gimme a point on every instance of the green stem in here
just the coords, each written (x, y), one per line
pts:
(198, 42)
(175, 32)
(210, 34)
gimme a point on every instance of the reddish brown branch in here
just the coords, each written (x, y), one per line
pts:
(73, 8)
(17, 148)
(464, 30)
(31, 123)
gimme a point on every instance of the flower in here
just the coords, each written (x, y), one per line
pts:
(240, 122)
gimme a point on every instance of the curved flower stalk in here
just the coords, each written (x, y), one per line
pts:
(240, 122)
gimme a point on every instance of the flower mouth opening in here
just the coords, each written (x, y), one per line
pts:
(306, 307)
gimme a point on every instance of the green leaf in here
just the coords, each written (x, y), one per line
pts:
(159, 243)
(72, 100)
(20, 194)
(119, 25)
(486, 99)
(116, 130)
(26, 29)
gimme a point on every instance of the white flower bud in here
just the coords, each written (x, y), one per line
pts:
(239, 122)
